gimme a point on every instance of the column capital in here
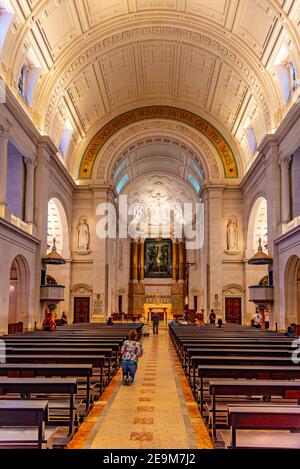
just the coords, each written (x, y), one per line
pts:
(285, 161)
(30, 163)
(5, 128)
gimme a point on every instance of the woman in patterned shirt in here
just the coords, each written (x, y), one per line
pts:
(131, 351)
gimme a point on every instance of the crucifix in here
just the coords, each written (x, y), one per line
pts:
(187, 266)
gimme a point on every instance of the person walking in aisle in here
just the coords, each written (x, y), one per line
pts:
(155, 321)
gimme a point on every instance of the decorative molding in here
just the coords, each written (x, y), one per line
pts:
(162, 112)
(233, 289)
(201, 147)
(181, 35)
(82, 289)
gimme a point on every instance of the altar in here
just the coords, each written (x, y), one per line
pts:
(164, 310)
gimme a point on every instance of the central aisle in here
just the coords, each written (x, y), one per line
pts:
(156, 411)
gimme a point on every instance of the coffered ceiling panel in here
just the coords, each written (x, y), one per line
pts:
(255, 33)
(118, 70)
(86, 98)
(100, 10)
(213, 9)
(214, 57)
(158, 68)
(230, 93)
(196, 70)
(59, 26)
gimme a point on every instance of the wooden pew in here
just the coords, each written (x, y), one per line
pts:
(22, 424)
(28, 386)
(244, 372)
(249, 388)
(97, 361)
(267, 418)
(236, 360)
(27, 370)
(110, 351)
(235, 352)
(241, 345)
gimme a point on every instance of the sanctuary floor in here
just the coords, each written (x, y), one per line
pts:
(157, 411)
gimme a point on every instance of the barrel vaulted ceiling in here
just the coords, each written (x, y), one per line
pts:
(100, 58)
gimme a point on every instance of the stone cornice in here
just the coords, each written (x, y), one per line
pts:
(15, 230)
(258, 166)
(56, 165)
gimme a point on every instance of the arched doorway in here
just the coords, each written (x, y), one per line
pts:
(292, 290)
(19, 289)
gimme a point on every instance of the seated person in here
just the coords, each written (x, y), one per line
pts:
(290, 331)
(63, 319)
(109, 321)
(145, 330)
(219, 323)
(174, 322)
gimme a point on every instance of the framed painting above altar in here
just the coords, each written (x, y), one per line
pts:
(158, 255)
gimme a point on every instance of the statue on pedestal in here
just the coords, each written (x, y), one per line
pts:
(83, 236)
(232, 235)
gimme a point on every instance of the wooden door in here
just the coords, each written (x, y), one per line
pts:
(233, 311)
(81, 309)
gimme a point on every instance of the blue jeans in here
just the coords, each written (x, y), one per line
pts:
(129, 367)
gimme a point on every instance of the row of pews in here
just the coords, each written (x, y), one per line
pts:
(245, 382)
(50, 381)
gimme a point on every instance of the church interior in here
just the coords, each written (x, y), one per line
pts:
(150, 171)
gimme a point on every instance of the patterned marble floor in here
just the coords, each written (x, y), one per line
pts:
(157, 411)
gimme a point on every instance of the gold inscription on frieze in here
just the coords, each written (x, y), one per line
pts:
(160, 112)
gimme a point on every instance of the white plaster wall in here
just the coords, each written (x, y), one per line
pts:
(288, 246)
(13, 243)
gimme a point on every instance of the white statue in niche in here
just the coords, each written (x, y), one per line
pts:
(83, 235)
(232, 234)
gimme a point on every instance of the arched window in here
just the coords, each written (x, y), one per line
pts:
(197, 168)
(65, 138)
(251, 139)
(57, 227)
(121, 166)
(22, 81)
(257, 227)
(192, 180)
(286, 73)
(122, 183)
(6, 16)
(29, 76)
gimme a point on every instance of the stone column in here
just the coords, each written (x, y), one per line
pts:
(174, 260)
(4, 131)
(41, 193)
(275, 226)
(285, 188)
(135, 247)
(214, 241)
(29, 199)
(101, 301)
(142, 260)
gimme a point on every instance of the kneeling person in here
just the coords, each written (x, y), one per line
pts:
(131, 351)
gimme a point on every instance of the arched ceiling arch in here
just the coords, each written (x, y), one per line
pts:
(146, 133)
(213, 57)
(222, 147)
